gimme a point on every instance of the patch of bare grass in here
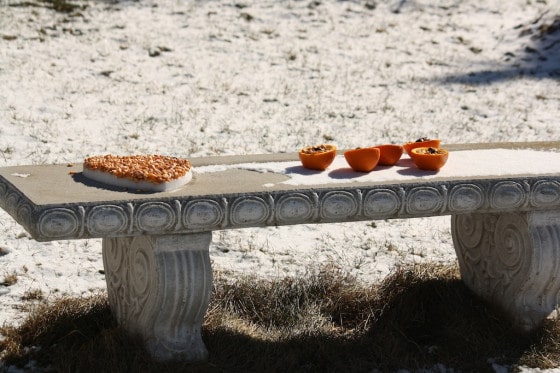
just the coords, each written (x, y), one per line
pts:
(33, 295)
(62, 6)
(9, 279)
(418, 317)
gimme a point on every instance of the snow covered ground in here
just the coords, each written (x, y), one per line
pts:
(216, 77)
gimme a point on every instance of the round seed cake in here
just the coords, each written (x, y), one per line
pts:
(154, 173)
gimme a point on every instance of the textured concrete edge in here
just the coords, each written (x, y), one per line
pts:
(277, 208)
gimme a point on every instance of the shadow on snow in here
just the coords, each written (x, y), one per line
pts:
(537, 58)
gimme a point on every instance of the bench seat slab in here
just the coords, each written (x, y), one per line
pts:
(512, 260)
(159, 289)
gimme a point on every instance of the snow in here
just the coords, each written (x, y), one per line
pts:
(465, 164)
(217, 77)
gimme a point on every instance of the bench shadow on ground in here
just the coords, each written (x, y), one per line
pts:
(427, 322)
(412, 323)
(537, 57)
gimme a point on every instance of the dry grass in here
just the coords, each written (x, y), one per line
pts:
(61, 6)
(9, 279)
(418, 317)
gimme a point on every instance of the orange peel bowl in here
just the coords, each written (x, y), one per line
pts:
(389, 154)
(428, 158)
(421, 143)
(362, 159)
(317, 157)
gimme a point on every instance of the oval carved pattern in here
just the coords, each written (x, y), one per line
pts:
(24, 213)
(114, 257)
(142, 278)
(466, 198)
(507, 195)
(155, 217)
(249, 211)
(115, 263)
(203, 214)
(107, 220)
(2, 194)
(511, 239)
(474, 238)
(130, 269)
(294, 208)
(58, 223)
(338, 205)
(12, 200)
(469, 233)
(381, 203)
(545, 193)
(424, 200)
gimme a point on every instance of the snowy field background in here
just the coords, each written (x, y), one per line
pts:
(199, 78)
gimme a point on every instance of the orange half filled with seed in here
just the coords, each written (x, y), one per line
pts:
(422, 142)
(317, 157)
(431, 159)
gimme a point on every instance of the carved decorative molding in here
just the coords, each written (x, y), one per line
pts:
(159, 288)
(295, 208)
(207, 213)
(512, 260)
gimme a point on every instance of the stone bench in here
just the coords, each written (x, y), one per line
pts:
(504, 202)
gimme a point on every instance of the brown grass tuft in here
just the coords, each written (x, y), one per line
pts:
(417, 317)
(33, 295)
(9, 279)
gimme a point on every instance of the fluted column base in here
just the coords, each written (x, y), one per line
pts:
(512, 260)
(159, 289)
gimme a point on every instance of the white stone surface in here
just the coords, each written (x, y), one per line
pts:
(467, 164)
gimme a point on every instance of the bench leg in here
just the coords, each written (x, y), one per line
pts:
(159, 288)
(512, 260)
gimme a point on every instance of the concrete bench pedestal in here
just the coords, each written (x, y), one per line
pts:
(505, 219)
(512, 260)
(159, 289)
